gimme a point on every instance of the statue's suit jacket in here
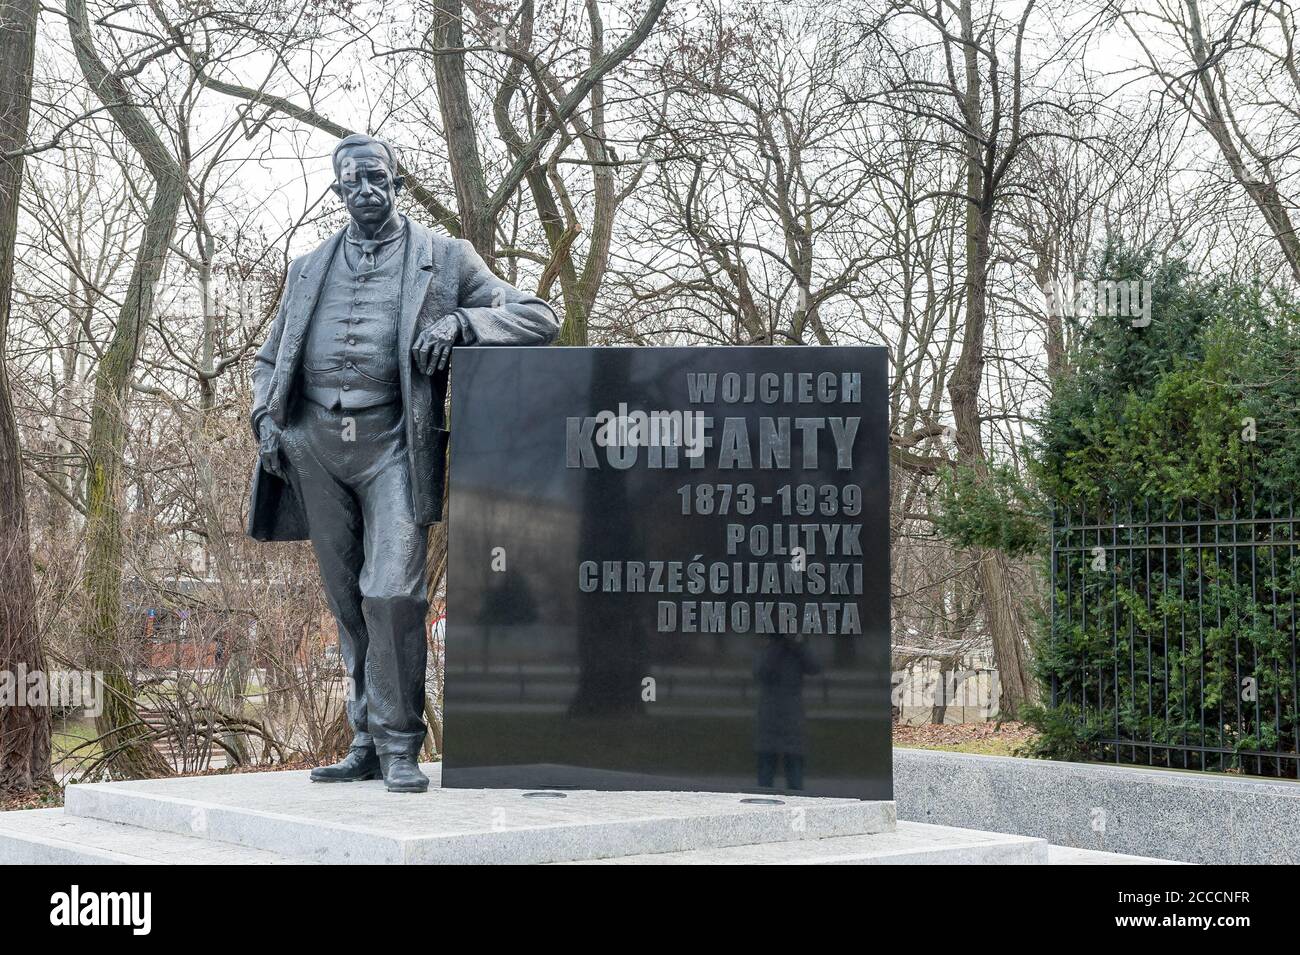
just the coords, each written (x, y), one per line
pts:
(440, 277)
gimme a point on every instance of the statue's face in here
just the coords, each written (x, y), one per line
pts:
(366, 184)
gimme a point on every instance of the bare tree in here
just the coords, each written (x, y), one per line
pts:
(24, 729)
(985, 104)
(748, 230)
(108, 427)
(1240, 87)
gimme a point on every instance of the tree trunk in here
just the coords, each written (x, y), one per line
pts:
(458, 124)
(1000, 617)
(24, 730)
(130, 754)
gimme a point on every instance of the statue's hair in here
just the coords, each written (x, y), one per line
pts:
(361, 139)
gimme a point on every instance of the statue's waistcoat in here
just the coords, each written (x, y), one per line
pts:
(350, 357)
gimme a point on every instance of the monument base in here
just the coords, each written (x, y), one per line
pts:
(281, 817)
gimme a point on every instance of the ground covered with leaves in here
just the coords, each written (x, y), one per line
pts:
(53, 798)
(988, 739)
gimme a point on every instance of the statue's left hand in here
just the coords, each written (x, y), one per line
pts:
(432, 348)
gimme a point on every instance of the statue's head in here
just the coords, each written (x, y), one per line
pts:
(366, 179)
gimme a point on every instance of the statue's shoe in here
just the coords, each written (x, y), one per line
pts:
(402, 775)
(360, 763)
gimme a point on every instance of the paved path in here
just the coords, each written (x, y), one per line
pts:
(1064, 855)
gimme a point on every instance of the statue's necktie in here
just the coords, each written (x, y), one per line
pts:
(370, 248)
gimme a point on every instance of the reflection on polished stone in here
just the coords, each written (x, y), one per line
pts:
(669, 570)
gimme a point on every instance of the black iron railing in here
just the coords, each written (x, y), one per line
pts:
(1173, 634)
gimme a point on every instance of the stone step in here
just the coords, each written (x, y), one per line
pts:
(912, 843)
(285, 814)
(1065, 855)
(52, 837)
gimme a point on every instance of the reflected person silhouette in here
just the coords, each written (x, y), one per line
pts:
(507, 603)
(780, 666)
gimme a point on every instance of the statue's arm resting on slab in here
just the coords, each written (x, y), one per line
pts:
(494, 312)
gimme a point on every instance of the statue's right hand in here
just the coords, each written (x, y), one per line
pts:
(268, 450)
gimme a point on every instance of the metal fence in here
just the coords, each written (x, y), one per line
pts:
(1173, 633)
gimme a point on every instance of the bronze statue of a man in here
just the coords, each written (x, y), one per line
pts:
(348, 409)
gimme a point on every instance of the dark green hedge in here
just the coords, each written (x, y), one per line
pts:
(1168, 634)
(1180, 443)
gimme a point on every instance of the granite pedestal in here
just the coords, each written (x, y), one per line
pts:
(279, 818)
